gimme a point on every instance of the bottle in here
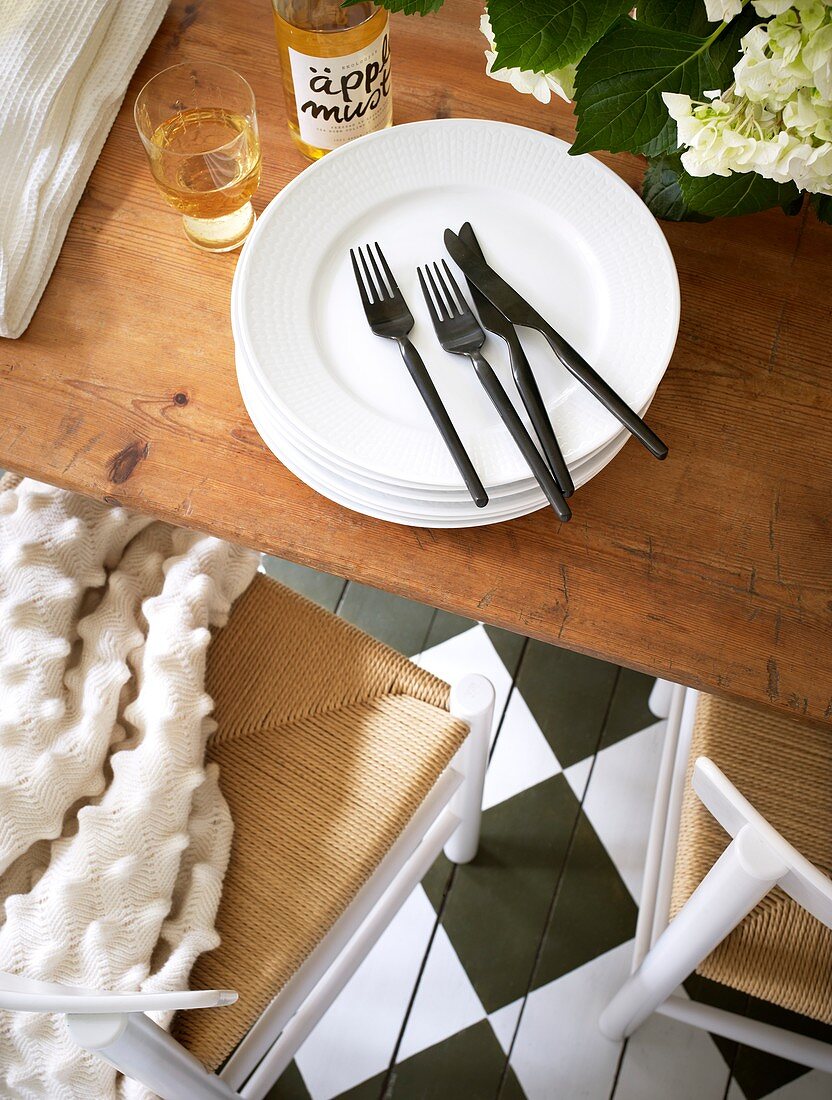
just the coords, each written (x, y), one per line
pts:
(335, 63)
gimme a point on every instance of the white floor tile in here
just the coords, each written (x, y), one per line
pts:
(577, 776)
(619, 799)
(356, 1037)
(522, 756)
(445, 1003)
(667, 1058)
(504, 1023)
(559, 1051)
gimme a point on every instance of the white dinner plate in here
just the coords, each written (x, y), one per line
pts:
(567, 232)
(288, 434)
(387, 506)
(288, 437)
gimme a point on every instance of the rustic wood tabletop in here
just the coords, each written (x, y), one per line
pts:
(712, 568)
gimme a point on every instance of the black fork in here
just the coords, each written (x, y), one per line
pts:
(388, 316)
(459, 332)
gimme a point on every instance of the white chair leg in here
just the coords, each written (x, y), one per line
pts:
(660, 698)
(472, 699)
(743, 874)
(142, 1050)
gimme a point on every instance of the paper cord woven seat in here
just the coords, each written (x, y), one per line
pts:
(328, 742)
(779, 953)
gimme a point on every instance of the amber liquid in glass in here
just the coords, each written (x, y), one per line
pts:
(215, 166)
(323, 29)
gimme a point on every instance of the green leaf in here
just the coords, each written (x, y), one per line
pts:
(822, 206)
(690, 16)
(619, 85)
(409, 7)
(662, 192)
(725, 50)
(543, 35)
(739, 193)
(686, 15)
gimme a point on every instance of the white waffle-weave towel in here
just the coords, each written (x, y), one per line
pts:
(114, 836)
(64, 68)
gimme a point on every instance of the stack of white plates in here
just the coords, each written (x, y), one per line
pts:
(336, 404)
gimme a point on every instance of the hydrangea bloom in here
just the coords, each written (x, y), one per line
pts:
(725, 10)
(776, 119)
(722, 10)
(766, 8)
(732, 134)
(540, 85)
(792, 51)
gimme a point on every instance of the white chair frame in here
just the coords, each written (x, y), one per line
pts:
(115, 1027)
(756, 859)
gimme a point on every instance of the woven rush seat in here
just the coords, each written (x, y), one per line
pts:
(327, 742)
(779, 953)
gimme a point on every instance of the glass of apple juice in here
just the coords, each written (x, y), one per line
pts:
(199, 129)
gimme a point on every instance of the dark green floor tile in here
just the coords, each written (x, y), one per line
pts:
(758, 1073)
(509, 646)
(320, 587)
(497, 905)
(511, 1089)
(719, 996)
(446, 626)
(593, 911)
(569, 695)
(399, 623)
(467, 1066)
(371, 1089)
(290, 1086)
(629, 712)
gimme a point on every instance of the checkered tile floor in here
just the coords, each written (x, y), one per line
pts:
(489, 982)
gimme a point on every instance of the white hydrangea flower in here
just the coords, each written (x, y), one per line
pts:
(766, 8)
(734, 134)
(539, 84)
(792, 51)
(776, 119)
(817, 57)
(722, 11)
(808, 115)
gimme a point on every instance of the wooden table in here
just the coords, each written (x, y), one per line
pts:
(712, 568)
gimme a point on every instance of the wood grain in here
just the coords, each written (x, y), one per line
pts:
(712, 568)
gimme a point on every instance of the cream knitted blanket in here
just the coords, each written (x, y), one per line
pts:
(114, 836)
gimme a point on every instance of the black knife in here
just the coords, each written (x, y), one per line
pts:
(520, 312)
(526, 383)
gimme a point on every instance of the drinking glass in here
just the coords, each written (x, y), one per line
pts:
(199, 128)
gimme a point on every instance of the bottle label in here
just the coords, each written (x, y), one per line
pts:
(340, 98)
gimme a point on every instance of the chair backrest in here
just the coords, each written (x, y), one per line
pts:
(803, 881)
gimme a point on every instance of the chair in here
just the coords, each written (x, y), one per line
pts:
(746, 909)
(347, 770)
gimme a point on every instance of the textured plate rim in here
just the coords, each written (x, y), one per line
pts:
(352, 149)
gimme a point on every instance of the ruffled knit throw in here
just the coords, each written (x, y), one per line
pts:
(114, 836)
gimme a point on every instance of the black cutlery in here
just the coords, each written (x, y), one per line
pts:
(388, 316)
(519, 312)
(524, 379)
(459, 332)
